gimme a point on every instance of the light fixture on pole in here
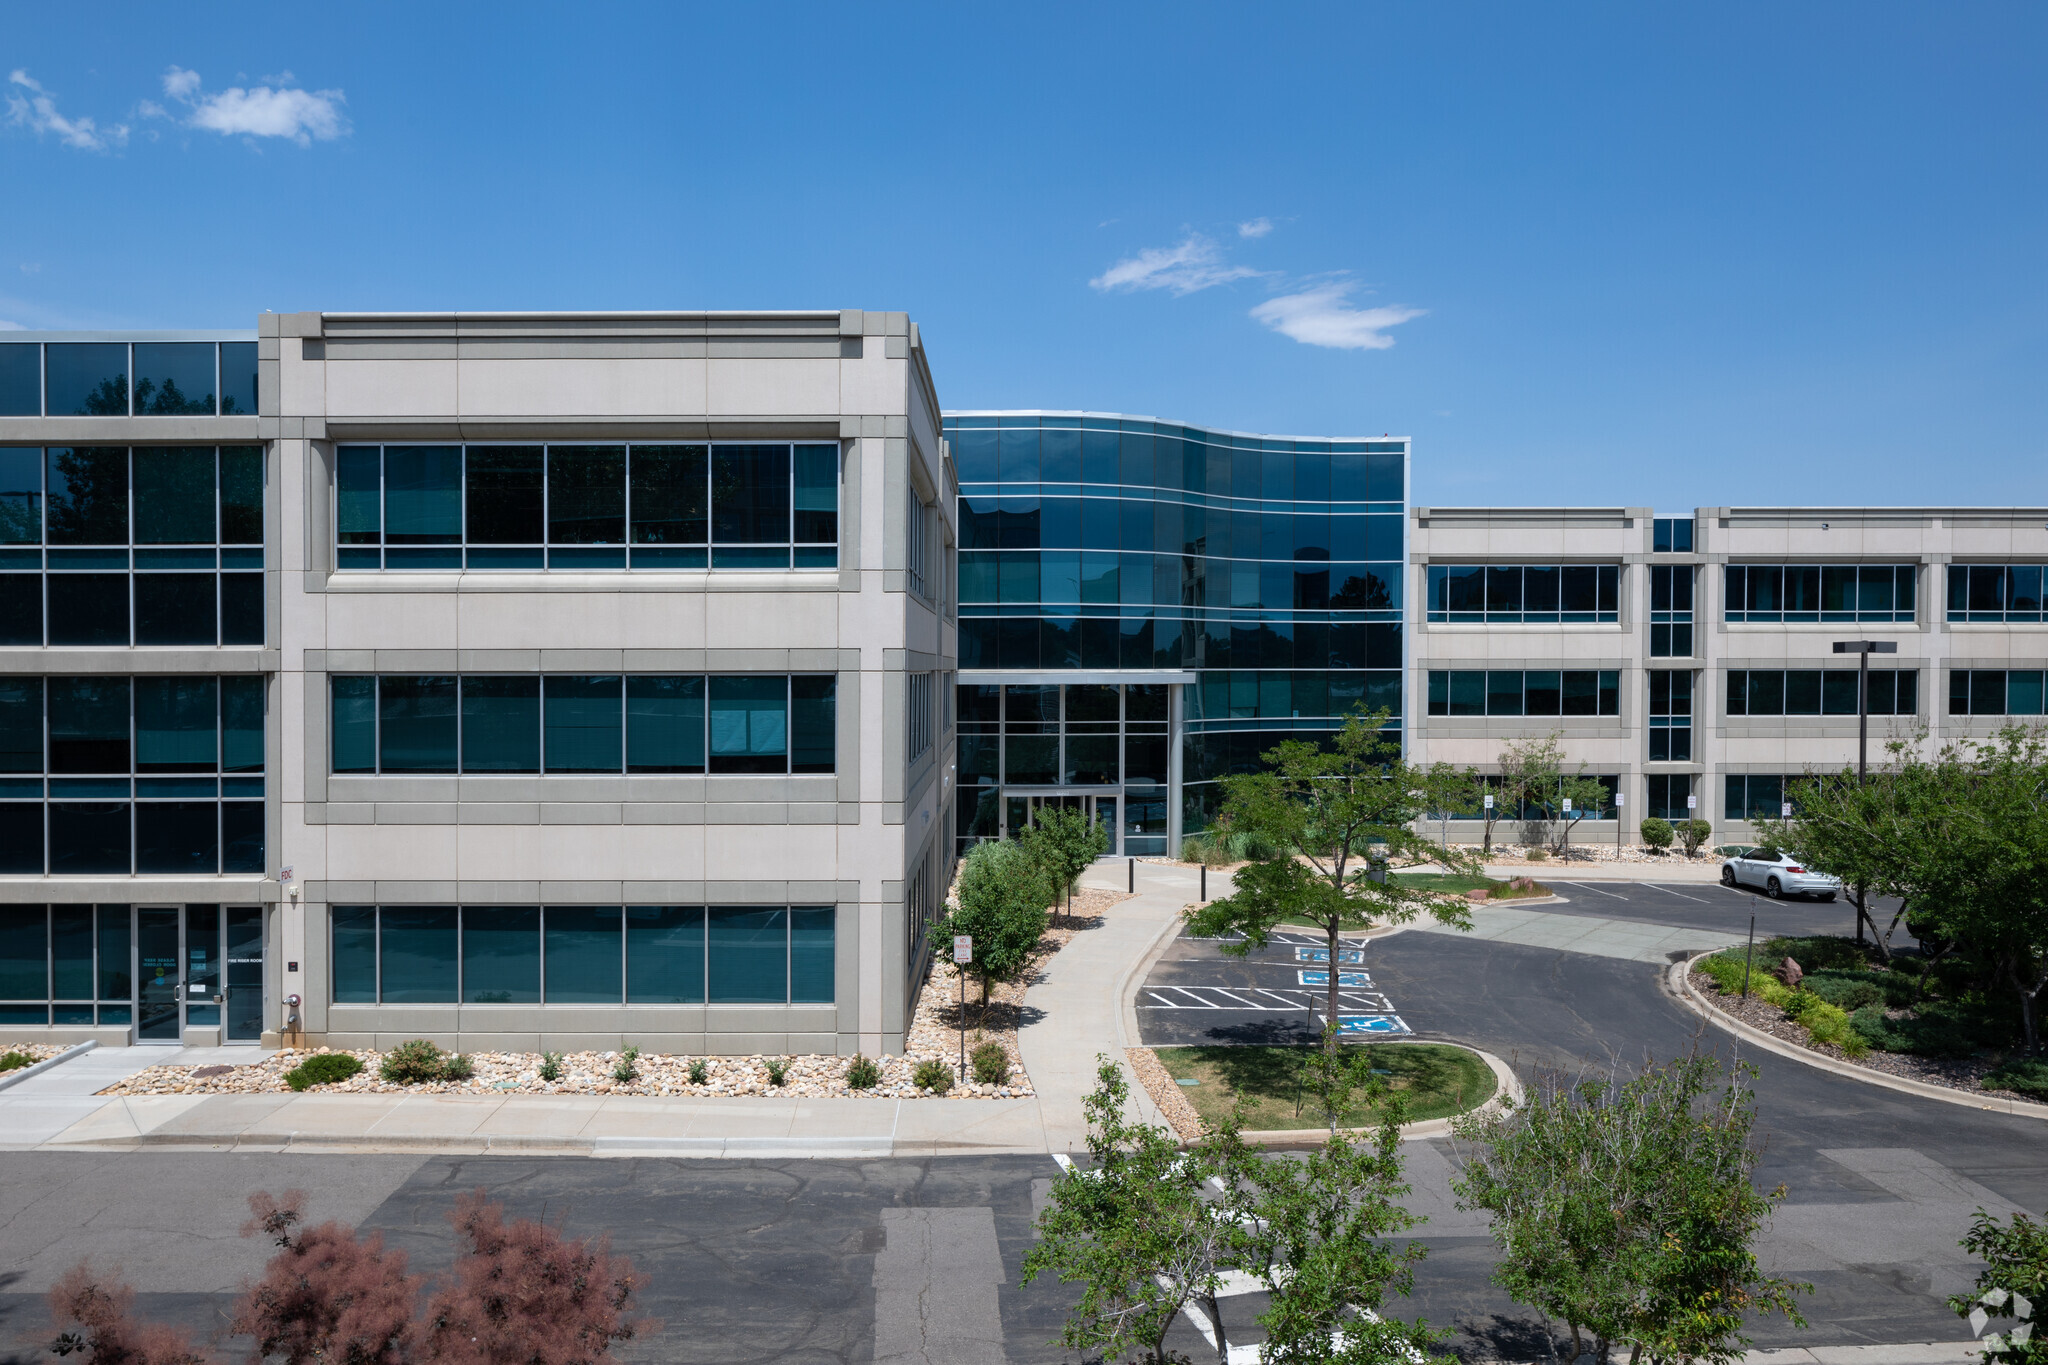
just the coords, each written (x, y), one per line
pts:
(1863, 649)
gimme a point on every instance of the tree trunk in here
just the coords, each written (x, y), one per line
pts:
(1215, 1312)
(1330, 1018)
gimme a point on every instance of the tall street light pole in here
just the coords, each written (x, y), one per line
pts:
(1863, 649)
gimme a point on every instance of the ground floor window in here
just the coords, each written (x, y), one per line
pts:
(1669, 796)
(162, 969)
(583, 955)
(1757, 796)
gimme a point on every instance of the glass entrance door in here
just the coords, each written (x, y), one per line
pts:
(159, 951)
(1020, 810)
(201, 967)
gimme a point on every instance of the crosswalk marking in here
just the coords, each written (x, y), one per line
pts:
(1282, 1001)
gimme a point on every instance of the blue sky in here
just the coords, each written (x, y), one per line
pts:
(1739, 253)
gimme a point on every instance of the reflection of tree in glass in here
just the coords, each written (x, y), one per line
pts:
(169, 401)
(88, 495)
(109, 398)
(19, 522)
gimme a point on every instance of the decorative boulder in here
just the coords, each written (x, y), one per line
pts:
(1789, 972)
(1478, 894)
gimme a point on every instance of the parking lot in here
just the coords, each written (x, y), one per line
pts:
(1196, 995)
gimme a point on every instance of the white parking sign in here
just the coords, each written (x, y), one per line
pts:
(963, 948)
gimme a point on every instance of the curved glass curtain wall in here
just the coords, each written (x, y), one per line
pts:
(1270, 567)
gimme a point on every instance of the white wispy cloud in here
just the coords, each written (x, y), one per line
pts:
(6, 326)
(1323, 315)
(1195, 264)
(1257, 227)
(32, 107)
(261, 110)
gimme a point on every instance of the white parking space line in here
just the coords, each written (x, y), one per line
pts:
(1680, 894)
(1597, 891)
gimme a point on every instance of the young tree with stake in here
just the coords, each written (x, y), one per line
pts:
(1343, 820)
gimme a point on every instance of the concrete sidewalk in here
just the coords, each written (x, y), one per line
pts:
(1078, 1010)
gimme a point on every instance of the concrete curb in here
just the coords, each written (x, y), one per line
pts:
(1678, 982)
(75, 1050)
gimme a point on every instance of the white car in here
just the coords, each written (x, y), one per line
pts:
(1779, 874)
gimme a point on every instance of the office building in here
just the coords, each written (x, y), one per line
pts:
(512, 680)
(1146, 606)
(1689, 661)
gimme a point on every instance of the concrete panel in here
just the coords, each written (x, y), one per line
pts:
(583, 387)
(797, 387)
(392, 388)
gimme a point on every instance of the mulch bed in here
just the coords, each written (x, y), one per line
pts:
(1953, 1073)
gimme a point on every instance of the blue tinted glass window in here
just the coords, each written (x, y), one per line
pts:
(1020, 456)
(1059, 453)
(500, 955)
(583, 963)
(749, 956)
(24, 953)
(21, 379)
(750, 492)
(500, 724)
(665, 724)
(88, 495)
(21, 495)
(88, 725)
(974, 452)
(358, 489)
(811, 955)
(89, 837)
(354, 936)
(174, 495)
(505, 488)
(583, 724)
(749, 725)
(417, 946)
(177, 837)
(816, 497)
(587, 495)
(671, 494)
(174, 379)
(176, 725)
(664, 954)
(417, 718)
(355, 724)
(238, 378)
(423, 495)
(813, 735)
(86, 379)
(241, 495)
(21, 725)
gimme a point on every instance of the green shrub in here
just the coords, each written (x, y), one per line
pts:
(1657, 833)
(322, 1068)
(778, 1069)
(15, 1061)
(2027, 1077)
(862, 1074)
(932, 1074)
(1818, 954)
(1824, 1022)
(456, 1067)
(1537, 855)
(1876, 1030)
(1227, 846)
(413, 1063)
(628, 1069)
(700, 1072)
(1693, 833)
(551, 1066)
(991, 1064)
(1849, 990)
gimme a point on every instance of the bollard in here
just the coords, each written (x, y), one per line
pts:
(1133, 887)
(1205, 883)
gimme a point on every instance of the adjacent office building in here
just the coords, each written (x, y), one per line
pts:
(1689, 661)
(1146, 606)
(518, 681)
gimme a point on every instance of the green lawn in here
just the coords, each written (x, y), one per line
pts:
(1437, 1080)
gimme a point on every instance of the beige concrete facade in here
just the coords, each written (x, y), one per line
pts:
(849, 839)
(1722, 745)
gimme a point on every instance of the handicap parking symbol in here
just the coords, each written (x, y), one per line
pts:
(1382, 1024)
(1346, 957)
(1345, 980)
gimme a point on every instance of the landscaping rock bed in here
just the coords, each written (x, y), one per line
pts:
(35, 1052)
(1174, 1106)
(934, 1034)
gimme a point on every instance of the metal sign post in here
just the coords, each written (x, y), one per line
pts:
(1750, 955)
(963, 953)
(1620, 800)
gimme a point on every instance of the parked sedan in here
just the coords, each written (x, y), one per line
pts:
(1779, 874)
